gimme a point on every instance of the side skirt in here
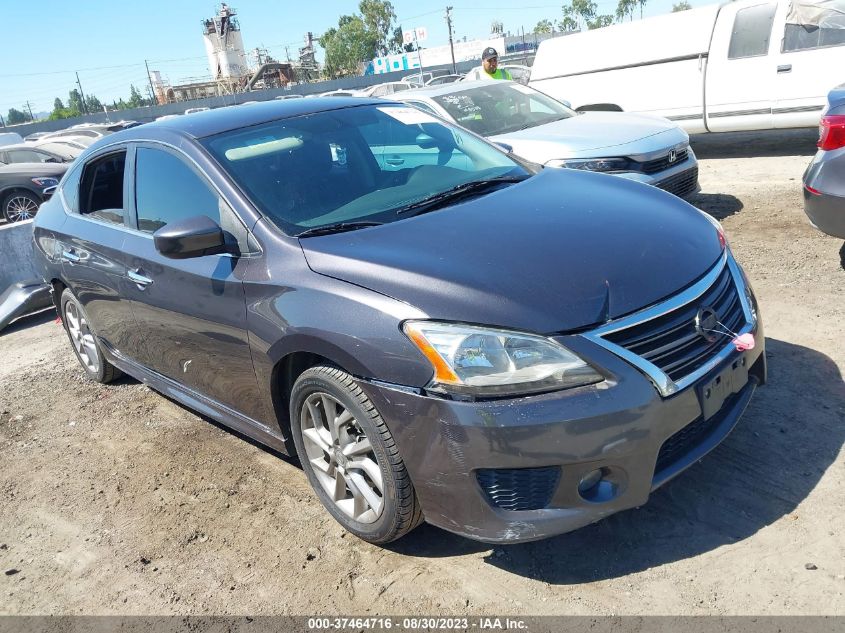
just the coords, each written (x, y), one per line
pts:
(198, 402)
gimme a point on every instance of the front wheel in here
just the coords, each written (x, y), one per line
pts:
(350, 458)
(20, 205)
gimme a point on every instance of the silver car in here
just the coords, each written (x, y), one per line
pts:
(640, 147)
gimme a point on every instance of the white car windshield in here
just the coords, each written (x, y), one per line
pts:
(499, 108)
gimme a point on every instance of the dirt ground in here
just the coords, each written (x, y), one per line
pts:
(115, 500)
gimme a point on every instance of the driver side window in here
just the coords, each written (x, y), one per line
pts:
(168, 190)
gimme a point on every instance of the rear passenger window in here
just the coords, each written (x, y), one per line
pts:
(810, 25)
(752, 31)
(101, 192)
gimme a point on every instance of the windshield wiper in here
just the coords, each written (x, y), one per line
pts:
(338, 227)
(455, 193)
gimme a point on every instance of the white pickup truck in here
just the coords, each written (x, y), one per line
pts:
(742, 65)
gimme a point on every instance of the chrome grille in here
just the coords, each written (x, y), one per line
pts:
(659, 164)
(670, 341)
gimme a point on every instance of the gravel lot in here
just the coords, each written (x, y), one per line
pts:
(116, 500)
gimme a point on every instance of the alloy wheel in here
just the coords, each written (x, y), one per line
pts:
(20, 208)
(342, 457)
(81, 337)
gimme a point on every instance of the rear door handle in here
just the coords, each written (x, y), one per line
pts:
(71, 257)
(138, 279)
(785, 68)
(395, 161)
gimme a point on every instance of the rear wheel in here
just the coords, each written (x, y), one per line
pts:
(20, 205)
(85, 345)
(350, 457)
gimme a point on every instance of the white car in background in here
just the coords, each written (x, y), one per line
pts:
(531, 124)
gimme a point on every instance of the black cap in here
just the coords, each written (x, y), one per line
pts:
(488, 53)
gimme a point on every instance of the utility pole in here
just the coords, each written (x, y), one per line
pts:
(153, 100)
(451, 45)
(29, 107)
(82, 95)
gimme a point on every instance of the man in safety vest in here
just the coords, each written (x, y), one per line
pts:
(490, 65)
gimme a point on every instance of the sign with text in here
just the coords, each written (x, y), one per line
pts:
(419, 34)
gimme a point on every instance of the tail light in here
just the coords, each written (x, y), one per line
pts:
(832, 132)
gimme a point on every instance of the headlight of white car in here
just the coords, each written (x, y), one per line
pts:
(607, 165)
(484, 361)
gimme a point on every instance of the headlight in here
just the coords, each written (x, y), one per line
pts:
(592, 164)
(45, 182)
(490, 362)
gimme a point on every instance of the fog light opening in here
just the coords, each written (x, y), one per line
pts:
(602, 484)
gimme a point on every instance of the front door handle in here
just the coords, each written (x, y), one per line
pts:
(785, 68)
(395, 161)
(138, 279)
(71, 257)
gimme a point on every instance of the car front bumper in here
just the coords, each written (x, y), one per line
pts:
(460, 455)
(680, 179)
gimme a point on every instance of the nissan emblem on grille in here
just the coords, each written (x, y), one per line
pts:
(706, 321)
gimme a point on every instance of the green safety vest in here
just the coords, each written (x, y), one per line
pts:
(499, 74)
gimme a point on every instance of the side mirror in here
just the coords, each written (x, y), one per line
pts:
(425, 141)
(505, 146)
(192, 237)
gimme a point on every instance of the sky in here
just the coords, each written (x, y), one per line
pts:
(45, 43)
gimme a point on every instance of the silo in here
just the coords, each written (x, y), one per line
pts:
(224, 45)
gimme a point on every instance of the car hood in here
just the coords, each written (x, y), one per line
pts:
(34, 169)
(558, 252)
(595, 135)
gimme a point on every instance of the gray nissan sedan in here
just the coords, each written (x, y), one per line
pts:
(503, 352)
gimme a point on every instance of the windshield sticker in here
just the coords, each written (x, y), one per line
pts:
(408, 116)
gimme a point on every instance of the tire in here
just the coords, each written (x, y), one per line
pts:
(344, 474)
(88, 351)
(20, 205)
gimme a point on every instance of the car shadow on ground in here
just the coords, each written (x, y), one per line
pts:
(719, 205)
(789, 436)
(30, 320)
(800, 142)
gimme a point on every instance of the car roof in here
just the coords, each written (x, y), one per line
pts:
(446, 89)
(211, 122)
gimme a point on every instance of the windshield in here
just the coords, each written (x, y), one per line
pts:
(360, 164)
(496, 108)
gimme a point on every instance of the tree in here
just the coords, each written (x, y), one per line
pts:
(135, 98)
(578, 15)
(378, 17)
(93, 104)
(683, 5)
(58, 105)
(569, 23)
(15, 116)
(624, 9)
(74, 101)
(599, 21)
(642, 4)
(544, 26)
(347, 46)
